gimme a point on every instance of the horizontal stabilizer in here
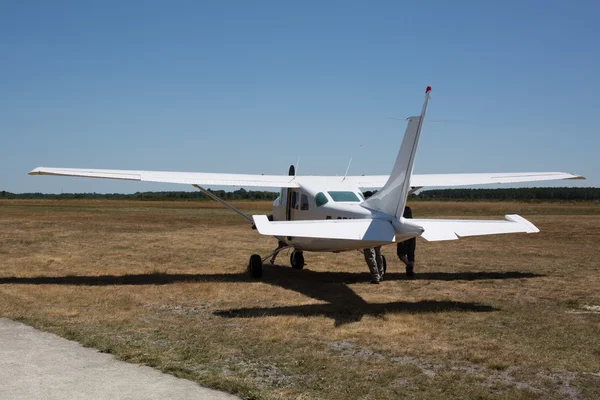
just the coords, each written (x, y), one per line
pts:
(452, 229)
(346, 229)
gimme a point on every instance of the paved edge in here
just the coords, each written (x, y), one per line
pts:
(36, 365)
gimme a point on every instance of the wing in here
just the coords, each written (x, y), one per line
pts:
(482, 179)
(192, 178)
(428, 180)
(249, 180)
(452, 229)
(349, 229)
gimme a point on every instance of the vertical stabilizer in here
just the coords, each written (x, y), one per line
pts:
(391, 199)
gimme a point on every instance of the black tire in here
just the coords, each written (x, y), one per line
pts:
(297, 259)
(384, 264)
(255, 266)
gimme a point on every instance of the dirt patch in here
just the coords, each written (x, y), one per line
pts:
(508, 376)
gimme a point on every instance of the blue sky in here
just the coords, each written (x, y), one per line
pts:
(248, 87)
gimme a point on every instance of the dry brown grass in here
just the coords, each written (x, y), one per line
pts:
(164, 284)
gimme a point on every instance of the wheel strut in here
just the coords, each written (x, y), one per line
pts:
(273, 255)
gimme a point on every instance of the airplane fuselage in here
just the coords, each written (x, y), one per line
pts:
(324, 202)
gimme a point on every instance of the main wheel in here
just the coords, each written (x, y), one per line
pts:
(297, 259)
(255, 266)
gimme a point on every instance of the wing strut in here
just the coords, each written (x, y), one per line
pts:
(220, 200)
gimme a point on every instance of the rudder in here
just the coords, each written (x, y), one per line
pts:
(391, 199)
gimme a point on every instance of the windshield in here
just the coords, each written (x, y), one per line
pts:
(320, 199)
(344, 196)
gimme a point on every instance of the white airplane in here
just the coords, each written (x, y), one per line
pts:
(330, 213)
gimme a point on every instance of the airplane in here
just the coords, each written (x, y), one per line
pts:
(331, 214)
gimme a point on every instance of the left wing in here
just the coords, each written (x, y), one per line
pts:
(191, 178)
(452, 229)
(428, 180)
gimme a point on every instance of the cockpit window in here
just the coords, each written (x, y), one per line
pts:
(321, 199)
(344, 196)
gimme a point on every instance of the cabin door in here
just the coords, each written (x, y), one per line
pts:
(292, 205)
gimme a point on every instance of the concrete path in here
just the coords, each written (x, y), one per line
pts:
(39, 365)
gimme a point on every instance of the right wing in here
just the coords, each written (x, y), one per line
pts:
(192, 178)
(452, 229)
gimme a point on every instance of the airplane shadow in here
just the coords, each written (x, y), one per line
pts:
(343, 305)
(272, 274)
(354, 311)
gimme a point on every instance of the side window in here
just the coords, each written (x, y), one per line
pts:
(304, 202)
(294, 202)
(279, 198)
(320, 199)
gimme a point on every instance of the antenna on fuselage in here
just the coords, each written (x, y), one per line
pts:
(347, 169)
(297, 165)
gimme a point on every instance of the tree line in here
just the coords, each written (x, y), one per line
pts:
(240, 194)
(518, 194)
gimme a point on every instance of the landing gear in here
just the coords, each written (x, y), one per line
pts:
(280, 246)
(384, 264)
(297, 259)
(255, 266)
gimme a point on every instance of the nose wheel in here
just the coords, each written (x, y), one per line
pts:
(297, 259)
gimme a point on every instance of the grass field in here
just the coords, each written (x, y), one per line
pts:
(165, 284)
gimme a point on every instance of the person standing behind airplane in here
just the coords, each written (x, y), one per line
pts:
(374, 260)
(406, 249)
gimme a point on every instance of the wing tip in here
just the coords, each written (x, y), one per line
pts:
(261, 222)
(576, 177)
(35, 171)
(526, 224)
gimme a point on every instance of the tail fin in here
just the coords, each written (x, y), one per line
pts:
(391, 199)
